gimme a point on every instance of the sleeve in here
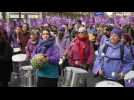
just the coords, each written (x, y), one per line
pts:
(67, 43)
(55, 56)
(98, 63)
(14, 41)
(101, 40)
(27, 50)
(34, 51)
(127, 67)
(128, 62)
(68, 50)
(8, 52)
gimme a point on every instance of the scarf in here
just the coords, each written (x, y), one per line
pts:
(82, 47)
(44, 45)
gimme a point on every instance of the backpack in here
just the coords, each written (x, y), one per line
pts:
(121, 50)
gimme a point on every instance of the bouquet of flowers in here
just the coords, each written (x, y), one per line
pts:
(38, 61)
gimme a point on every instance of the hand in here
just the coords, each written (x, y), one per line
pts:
(100, 72)
(61, 61)
(121, 75)
(77, 62)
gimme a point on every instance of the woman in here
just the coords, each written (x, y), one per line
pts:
(126, 40)
(62, 41)
(25, 28)
(48, 75)
(80, 53)
(24, 37)
(5, 60)
(92, 33)
(112, 61)
(14, 37)
(106, 35)
(32, 43)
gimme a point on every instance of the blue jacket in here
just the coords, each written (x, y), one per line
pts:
(103, 40)
(107, 61)
(131, 53)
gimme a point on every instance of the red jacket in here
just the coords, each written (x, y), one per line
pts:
(81, 51)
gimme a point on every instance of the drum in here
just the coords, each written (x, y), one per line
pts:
(18, 61)
(74, 77)
(16, 50)
(129, 79)
(28, 76)
(107, 83)
(19, 58)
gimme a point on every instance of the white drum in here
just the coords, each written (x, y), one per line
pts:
(129, 79)
(19, 58)
(18, 61)
(107, 83)
(28, 76)
(74, 77)
(16, 50)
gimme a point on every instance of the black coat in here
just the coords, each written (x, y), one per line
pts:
(5, 61)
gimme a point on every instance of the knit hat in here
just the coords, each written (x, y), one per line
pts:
(117, 31)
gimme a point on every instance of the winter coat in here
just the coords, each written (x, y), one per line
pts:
(81, 51)
(5, 61)
(30, 48)
(51, 50)
(63, 44)
(111, 62)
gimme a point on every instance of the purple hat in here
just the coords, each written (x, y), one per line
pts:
(117, 31)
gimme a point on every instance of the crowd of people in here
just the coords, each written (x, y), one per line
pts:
(104, 50)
